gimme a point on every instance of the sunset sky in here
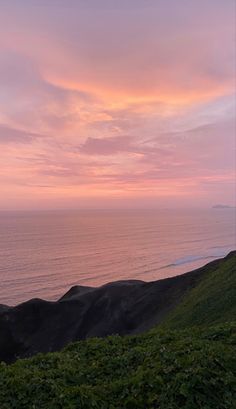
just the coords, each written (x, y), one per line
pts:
(123, 103)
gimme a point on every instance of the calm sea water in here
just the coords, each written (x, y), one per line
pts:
(42, 254)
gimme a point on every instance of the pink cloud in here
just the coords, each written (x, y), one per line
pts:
(116, 100)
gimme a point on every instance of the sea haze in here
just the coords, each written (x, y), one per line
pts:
(42, 254)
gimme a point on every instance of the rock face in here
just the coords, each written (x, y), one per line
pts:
(123, 307)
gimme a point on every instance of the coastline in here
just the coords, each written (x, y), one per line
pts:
(123, 307)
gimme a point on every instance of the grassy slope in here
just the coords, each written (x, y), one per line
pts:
(191, 368)
(212, 301)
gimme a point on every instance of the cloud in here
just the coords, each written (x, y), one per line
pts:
(101, 100)
(83, 47)
(27, 100)
(10, 135)
(107, 146)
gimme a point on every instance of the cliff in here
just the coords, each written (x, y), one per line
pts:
(204, 296)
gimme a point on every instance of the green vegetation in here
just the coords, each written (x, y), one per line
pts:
(167, 370)
(193, 367)
(212, 301)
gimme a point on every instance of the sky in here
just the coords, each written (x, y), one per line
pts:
(115, 104)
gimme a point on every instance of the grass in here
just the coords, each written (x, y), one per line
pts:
(212, 301)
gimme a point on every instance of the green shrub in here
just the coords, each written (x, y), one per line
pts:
(190, 369)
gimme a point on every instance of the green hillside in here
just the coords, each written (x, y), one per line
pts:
(212, 301)
(193, 367)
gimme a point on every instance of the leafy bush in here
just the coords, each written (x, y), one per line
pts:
(188, 369)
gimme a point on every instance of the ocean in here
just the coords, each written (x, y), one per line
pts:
(44, 253)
